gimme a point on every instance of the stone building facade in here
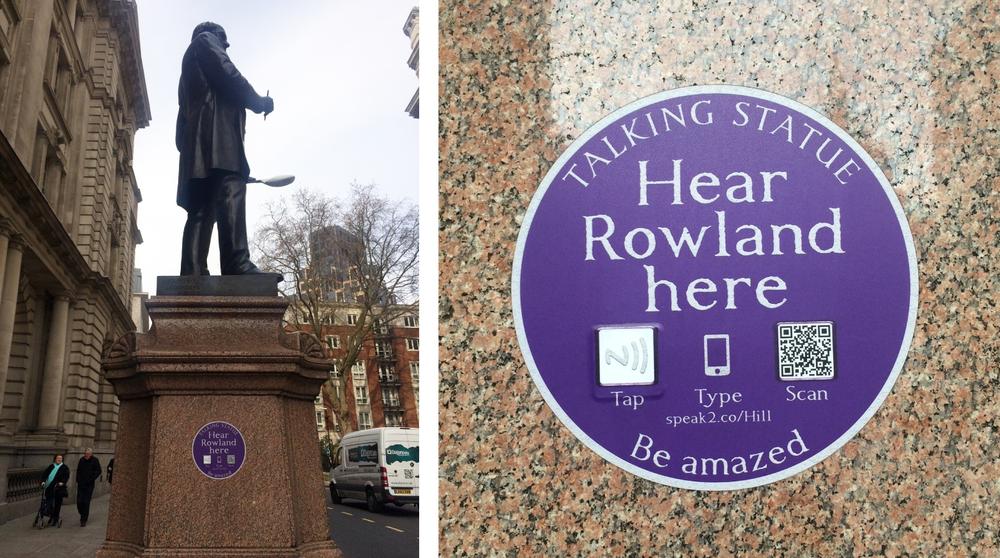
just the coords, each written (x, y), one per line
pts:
(72, 95)
(412, 30)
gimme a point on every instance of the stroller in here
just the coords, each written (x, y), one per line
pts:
(45, 511)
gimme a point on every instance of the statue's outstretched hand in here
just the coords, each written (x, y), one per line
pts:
(263, 104)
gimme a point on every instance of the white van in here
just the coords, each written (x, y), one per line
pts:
(379, 466)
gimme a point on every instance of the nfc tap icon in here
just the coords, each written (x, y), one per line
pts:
(626, 355)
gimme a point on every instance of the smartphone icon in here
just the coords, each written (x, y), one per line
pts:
(717, 355)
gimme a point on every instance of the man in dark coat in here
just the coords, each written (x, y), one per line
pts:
(211, 123)
(87, 472)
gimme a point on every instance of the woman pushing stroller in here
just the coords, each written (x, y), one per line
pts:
(56, 477)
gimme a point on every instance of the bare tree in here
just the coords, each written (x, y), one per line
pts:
(360, 254)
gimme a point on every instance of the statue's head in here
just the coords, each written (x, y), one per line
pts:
(210, 27)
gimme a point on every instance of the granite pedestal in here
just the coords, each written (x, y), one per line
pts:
(220, 357)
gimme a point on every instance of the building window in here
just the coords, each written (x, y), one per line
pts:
(358, 370)
(393, 419)
(39, 157)
(364, 420)
(361, 395)
(333, 341)
(8, 23)
(334, 372)
(319, 400)
(390, 397)
(380, 327)
(383, 349)
(386, 372)
(53, 180)
(320, 421)
(409, 321)
(352, 319)
(326, 320)
(415, 371)
(412, 344)
(58, 76)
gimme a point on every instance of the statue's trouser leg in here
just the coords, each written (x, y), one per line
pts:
(196, 241)
(231, 214)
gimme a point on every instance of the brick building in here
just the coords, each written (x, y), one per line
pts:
(383, 387)
(72, 95)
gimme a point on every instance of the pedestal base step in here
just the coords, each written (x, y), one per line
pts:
(321, 549)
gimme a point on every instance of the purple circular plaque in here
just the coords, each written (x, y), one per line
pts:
(219, 450)
(714, 287)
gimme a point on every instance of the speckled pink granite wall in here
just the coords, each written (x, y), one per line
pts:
(914, 82)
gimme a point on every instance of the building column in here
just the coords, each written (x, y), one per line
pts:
(5, 234)
(10, 278)
(51, 405)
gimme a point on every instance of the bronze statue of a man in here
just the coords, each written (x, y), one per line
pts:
(211, 123)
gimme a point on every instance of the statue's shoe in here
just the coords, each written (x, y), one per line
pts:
(250, 270)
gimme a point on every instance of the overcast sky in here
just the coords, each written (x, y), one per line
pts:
(338, 75)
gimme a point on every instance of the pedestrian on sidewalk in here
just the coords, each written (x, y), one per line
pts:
(56, 476)
(111, 469)
(87, 473)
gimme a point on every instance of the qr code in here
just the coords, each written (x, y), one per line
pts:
(408, 473)
(805, 351)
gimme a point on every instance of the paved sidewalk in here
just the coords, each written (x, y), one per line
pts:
(19, 540)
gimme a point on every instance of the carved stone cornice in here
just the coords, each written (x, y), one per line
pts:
(123, 347)
(304, 342)
(124, 18)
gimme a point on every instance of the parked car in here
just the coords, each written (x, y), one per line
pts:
(379, 465)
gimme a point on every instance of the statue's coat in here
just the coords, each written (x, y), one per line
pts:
(211, 120)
